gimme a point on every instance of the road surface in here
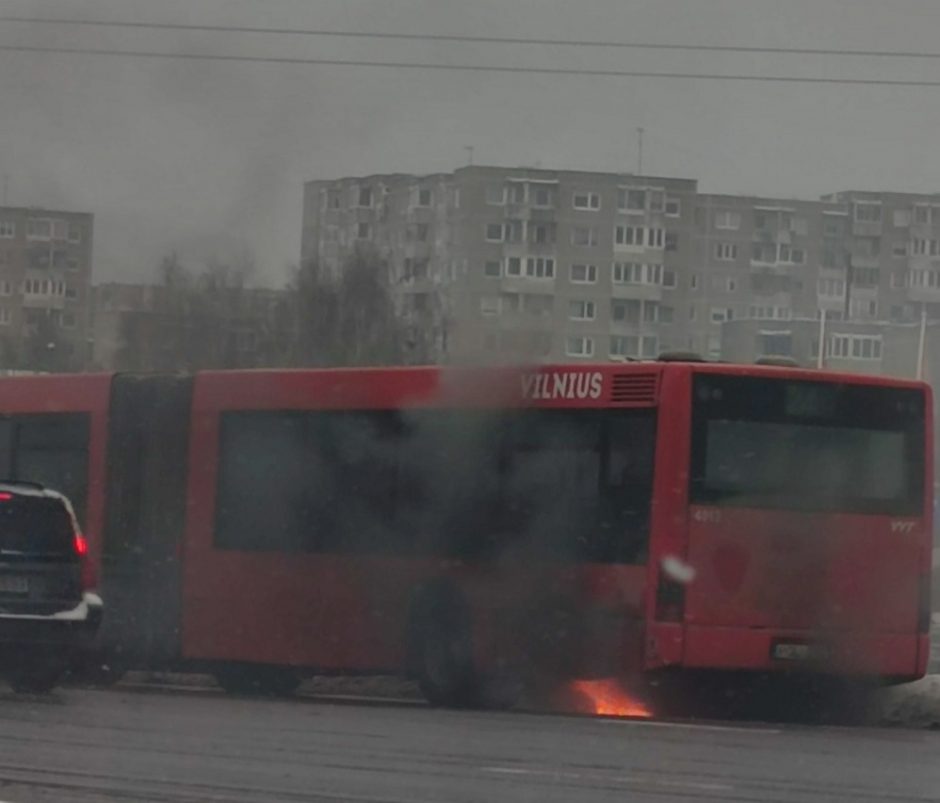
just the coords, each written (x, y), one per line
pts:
(85, 746)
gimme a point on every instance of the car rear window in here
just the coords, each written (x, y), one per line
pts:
(35, 526)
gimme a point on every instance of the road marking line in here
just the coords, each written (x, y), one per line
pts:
(652, 723)
(625, 779)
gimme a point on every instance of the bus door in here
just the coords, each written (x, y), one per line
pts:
(148, 441)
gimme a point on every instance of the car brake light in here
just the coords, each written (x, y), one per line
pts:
(81, 545)
(6, 496)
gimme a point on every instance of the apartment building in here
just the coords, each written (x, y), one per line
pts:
(763, 259)
(496, 263)
(45, 281)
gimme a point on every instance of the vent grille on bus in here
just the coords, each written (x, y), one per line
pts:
(635, 388)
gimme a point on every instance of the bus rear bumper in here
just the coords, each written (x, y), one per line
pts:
(899, 656)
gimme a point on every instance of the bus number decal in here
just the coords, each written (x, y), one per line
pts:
(707, 515)
(562, 385)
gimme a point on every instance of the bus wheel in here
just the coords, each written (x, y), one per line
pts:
(441, 650)
(264, 681)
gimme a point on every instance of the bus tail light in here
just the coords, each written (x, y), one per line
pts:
(670, 599)
(923, 604)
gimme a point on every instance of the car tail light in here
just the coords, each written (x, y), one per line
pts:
(81, 545)
(89, 579)
(923, 604)
(670, 599)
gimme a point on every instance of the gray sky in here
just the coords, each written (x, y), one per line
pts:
(209, 158)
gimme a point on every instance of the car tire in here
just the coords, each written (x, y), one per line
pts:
(37, 675)
(257, 681)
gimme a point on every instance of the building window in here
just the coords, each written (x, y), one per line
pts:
(420, 232)
(797, 256)
(651, 312)
(637, 273)
(542, 233)
(540, 268)
(492, 269)
(579, 346)
(584, 236)
(68, 320)
(831, 288)
(899, 249)
(511, 302)
(626, 311)
(38, 229)
(731, 285)
(673, 207)
(776, 344)
(333, 199)
(584, 274)
(581, 310)
(631, 200)
(514, 266)
(364, 197)
(495, 195)
(922, 215)
(833, 227)
(363, 231)
(494, 232)
(624, 346)
(70, 292)
(542, 197)
(868, 212)
(538, 304)
(866, 277)
(657, 238)
(629, 235)
(726, 252)
(727, 219)
(7, 229)
(5, 317)
(666, 314)
(489, 306)
(693, 281)
(75, 233)
(764, 252)
(669, 279)
(854, 347)
(516, 193)
(425, 196)
(721, 314)
(587, 200)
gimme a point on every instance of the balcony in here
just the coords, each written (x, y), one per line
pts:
(640, 292)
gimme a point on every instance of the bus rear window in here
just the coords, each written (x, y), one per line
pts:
(813, 446)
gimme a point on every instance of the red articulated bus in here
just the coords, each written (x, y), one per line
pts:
(465, 524)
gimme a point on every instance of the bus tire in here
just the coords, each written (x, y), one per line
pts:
(256, 680)
(441, 649)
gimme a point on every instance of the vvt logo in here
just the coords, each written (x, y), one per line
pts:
(903, 526)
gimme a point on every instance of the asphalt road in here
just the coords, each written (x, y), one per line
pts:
(116, 745)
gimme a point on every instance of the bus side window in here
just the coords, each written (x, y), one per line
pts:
(628, 484)
(51, 449)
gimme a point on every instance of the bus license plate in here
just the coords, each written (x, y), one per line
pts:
(795, 651)
(11, 584)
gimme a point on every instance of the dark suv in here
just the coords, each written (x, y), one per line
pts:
(47, 611)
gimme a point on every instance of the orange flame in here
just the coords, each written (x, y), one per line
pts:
(609, 699)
